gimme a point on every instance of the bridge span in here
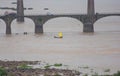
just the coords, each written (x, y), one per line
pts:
(39, 20)
(88, 19)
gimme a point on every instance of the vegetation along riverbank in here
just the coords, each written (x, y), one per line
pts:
(26, 68)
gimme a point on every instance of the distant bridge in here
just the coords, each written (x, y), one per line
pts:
(88, 19)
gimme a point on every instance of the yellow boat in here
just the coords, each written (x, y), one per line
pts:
(60, 35)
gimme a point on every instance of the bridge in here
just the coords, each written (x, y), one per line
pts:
(88, 19)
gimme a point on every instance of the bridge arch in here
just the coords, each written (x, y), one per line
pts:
(64, 24)
(27, 26)
(2, 26)
(108, 23)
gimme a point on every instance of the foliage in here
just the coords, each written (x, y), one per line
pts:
(24, 66)
(117, 74)
(57, 65)
(47, 66)
(3, 72)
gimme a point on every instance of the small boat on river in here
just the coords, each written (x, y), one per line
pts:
(60, 35)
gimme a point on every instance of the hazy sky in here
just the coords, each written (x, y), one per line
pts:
(66, 6)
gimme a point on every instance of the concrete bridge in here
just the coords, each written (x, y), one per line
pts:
(88, 19)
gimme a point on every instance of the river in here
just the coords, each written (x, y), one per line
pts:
(100, 49)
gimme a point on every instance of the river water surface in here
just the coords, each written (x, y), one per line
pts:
(100, 49)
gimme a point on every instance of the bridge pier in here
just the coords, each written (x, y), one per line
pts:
(88, 27)
(20, 11)
(8, 20)
(38, 25)
(8, 27)
(38, 28)
(8, 30)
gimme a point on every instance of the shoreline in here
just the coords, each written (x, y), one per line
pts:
(23, 68)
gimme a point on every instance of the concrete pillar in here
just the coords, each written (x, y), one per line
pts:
(88, 27)
(38, 25)
(20, 11)
(38, 28)
(91, 9)
(88, 24)
(8, 28)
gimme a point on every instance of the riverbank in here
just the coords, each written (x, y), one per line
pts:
(25, 68)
